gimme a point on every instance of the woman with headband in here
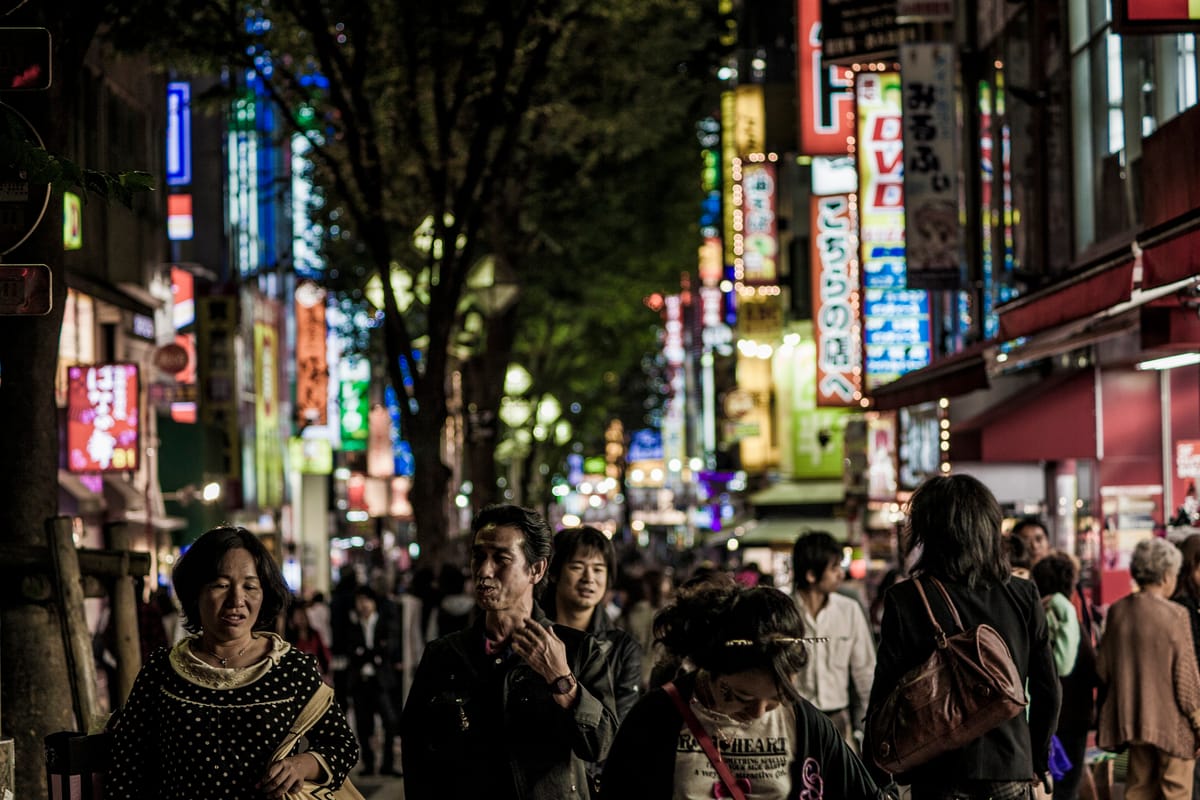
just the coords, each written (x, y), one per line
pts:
(732, 723)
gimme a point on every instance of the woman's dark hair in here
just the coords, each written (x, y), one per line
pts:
(1055, 574)
(955, 521)
(536, 536)
(1017, 552)
(726, 628)
(814, 552)
(570, 541)
(1190, 549)
(201, 564)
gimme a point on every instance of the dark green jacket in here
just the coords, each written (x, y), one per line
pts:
(480, 725)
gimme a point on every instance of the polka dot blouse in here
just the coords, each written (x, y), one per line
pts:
(190, 730)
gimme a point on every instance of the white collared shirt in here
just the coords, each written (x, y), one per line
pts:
(368, 629)
(847, 658)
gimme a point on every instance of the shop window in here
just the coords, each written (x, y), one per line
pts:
(1185, 71)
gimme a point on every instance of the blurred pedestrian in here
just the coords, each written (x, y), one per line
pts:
(302, 635)
(1150, 680)
(514, 706)
(648, 596)
(319, 616)
(734, 724)
(954, 528)
(455, 603)
(373, 647)
(1187, 594)
(841, 665)
(205, 718)
(1020, 562)
(1075, 661)
(1032, 531)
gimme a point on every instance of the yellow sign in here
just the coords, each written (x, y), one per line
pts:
(72, 222)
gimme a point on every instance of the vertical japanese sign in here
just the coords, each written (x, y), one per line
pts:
(102, 418)
(674, 420)
(354, 395)
(268, 449)
(312, 366)
(750, 110)
(216, 326)
(932, 236)
(826, 92)
(895, 320)
(836, 301)
(729, 155)
(760, 255)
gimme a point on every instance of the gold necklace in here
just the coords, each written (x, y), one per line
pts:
(225, 661)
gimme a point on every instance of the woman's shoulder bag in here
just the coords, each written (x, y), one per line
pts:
(967, 686)
(316, 707)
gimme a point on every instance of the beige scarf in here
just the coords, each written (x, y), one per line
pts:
(321, 702)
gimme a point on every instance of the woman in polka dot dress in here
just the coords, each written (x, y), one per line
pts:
(205, 717)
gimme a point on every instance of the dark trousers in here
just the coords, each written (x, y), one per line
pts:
(1075, 746)
(372, 700)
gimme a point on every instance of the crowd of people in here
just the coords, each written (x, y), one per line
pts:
(519, 677)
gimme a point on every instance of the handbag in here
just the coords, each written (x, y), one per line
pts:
(967, 686)
(318, 704)
(706, 743)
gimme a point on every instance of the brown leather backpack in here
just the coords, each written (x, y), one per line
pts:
(967, 686)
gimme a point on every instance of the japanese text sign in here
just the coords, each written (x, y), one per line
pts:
(102, 418)
(835, 295)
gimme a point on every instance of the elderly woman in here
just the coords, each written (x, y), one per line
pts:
(737, 717)
(211, 717)
(954, 530)
(1149, 678)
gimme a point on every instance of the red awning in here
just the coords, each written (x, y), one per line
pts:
(1170, 254)
(951, 376)
(1051, 421)
(1089, 293)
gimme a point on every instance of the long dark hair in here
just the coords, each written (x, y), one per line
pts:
(955, 521)
(1190, 548)
(726, 628)
(199, 565)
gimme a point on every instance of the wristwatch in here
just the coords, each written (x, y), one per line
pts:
(563, 684)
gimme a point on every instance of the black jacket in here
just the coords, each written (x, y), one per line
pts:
(623, 653)
(382, 657)
(642, 761)
(486, 725)
(1017, 749)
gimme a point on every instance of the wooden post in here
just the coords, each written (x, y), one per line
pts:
(123, 608)
(77, 640)
(8, 785)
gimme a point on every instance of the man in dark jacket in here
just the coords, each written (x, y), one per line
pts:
(512, 707)
(581, 572)
(373, 642)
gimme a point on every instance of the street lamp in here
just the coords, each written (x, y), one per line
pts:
(208, 494)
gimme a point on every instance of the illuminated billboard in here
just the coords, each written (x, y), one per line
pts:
(835, 297)
(312, 365)
(760, 253)
(896, 330)
(933, 240)
(826, 91)
(102, 418)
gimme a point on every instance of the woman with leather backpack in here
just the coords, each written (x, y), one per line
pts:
(962, 580)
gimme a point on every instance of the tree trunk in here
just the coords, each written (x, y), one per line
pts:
(35, 697)
(483, 389)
